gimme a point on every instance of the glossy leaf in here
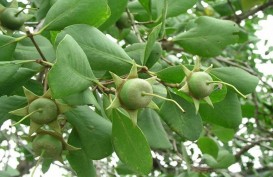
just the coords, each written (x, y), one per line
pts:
(130, 144)
(188, 124)
(68, 12)
(209, 36)
(208, 146)
(226, 113)
(102, 53)
(146, 4)
(150, 123)
(242, 80)
(94, 132)
(78, 159)
(72, 72)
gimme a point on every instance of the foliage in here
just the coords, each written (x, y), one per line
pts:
(155, 83)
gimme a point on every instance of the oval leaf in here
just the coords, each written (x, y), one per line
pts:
(130, 144)
(68, 12)
(94, 132)
(103, 54)
(72, 72)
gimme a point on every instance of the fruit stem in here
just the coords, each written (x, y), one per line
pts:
(163, 98)
(26, 117)
(38, 162)
(23, 10)
(232, 86)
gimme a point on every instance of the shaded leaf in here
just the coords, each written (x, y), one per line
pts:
(208, 146)
(8, 49)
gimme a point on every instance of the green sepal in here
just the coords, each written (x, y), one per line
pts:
(20, 112)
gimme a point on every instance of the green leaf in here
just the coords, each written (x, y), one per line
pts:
(242, 80)
(146, 4)
(209, 36)
(248, 4)
(7, 47)
(43, 7)
(68, 12)
(130, 144)
(226, 113)
(150, 43)
(117, 8)
(188, 124)
(172, 74)
(72, 72)
(224, 134)
(16, 80)
(78, 159)
(208, 146)
(85, 97)
(102, 53)
(94, 132)
(176, 7)
(149, 122)
(8, 104)
(224, 159)
(7, 71)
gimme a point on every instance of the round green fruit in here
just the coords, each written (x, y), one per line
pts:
(46, 111)
(51, 146)
(123, 21)
(199, 86)
(131, 94)
(9, 19)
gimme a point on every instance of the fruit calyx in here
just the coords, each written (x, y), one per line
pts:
(198, 84)
(130, 93)
(41, 110)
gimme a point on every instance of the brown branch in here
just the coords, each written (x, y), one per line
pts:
(30, 35)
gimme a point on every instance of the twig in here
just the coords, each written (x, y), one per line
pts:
(254, 11)
(30, 35)
(233, 10)
(131, 18)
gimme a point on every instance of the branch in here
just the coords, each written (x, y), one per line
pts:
(30, 35)
(254, 11)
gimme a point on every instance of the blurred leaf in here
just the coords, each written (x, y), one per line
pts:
(208, 146)
(224, 134)
(224, 159)
(7, 47)
(209, 36)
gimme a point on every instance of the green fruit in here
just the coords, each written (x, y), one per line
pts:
(131, 94)
(198, 86)
(48, 111)
(51, 146)
(9, 19)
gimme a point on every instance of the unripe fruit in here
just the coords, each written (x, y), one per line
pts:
(131, 94)
(51, 146)
(199, 86)
(48, 111)
(123, 21)
(9, 19)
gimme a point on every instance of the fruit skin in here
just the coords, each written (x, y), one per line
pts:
(48, 113)
(131, 96)
(198, 86)
(51, 145)
(9, 20)
(123, 21)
